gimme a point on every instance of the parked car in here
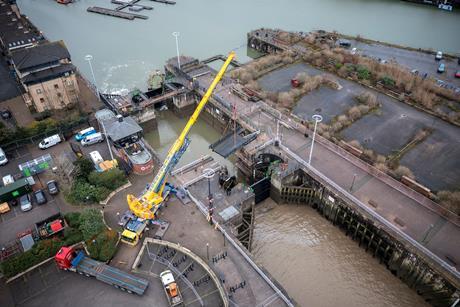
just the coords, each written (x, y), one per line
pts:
(438, 56)
(457, 74)
(344, 43)
(84, 133)
(50, 141)
(52, 187)
(92, 139)
(25, 203)
(414, 72)
(441, 68)
(3, 159)
(13, 202)
(5, 114)
(458, 61)
(40, 197)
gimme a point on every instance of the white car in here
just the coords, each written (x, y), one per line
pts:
(3, 159)
(50, 141)
(25, 203)
(438, 56)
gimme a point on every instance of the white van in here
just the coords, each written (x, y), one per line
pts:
(3, 159)
(92, 139)
(50, 141)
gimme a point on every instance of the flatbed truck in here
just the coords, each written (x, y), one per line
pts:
(69, 259)
(171, 288)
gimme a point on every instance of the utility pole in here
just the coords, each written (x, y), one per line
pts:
(318, 118)
(176, 35)
(88, 58)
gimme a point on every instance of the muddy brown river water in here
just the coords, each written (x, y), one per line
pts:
(319, 266)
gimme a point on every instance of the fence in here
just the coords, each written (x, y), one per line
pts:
(65, 129)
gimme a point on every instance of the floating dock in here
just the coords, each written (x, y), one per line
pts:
(115, 13)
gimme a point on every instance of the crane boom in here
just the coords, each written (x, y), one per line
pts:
(153, 196)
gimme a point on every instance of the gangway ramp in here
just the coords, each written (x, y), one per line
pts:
(231, 142)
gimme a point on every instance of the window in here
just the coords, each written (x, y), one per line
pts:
(62, 103)
(39, 90)
(42, 100)
(59, 95)
(56, 86)
(69, 82)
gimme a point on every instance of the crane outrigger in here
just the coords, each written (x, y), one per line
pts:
(146, 205)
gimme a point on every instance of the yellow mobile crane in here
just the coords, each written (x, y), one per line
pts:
(146, 205)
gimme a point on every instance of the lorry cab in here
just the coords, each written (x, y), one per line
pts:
(133, 231)
(64, 257)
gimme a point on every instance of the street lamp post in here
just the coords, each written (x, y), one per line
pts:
(88, 58)
(318, 118)
(176, 35)
(209, 173)
(106, 139)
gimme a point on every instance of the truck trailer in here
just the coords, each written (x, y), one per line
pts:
(69, 259)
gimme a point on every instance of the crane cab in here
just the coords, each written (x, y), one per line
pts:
(133, 231)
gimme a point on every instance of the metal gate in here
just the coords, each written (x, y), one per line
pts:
(261, 189)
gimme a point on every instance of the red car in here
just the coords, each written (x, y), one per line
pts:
(457, 74)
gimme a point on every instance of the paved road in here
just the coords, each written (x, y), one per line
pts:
(423, 62)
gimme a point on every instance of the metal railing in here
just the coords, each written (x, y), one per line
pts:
(351, 198)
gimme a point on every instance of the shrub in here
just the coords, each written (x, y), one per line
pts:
(111, 179)
(381, 166)
(83, 167)
(103, 246)
(73, 219)
(363, 73)
(450, 200)
(285, 99)
(368, 98)
(354, 113)
(91, 223)
(387, 81)
(72, 236)
(403, 171)
(84, 192)
(356, 144)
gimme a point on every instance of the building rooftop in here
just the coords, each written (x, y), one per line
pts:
(121, 127)
(48, 74)
(29, 58)
(16, 32)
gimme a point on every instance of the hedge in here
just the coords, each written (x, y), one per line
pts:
(41, 251)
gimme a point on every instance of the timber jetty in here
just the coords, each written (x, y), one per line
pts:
(131, 5)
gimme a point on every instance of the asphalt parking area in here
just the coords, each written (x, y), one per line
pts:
(35, 282)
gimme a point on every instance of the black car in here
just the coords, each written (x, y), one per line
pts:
(52, 187)
(5, 114)
(40, 197)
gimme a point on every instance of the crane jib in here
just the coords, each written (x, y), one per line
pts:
(178, 145)
(151, 198)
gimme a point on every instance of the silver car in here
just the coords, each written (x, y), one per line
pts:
(25, 203)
